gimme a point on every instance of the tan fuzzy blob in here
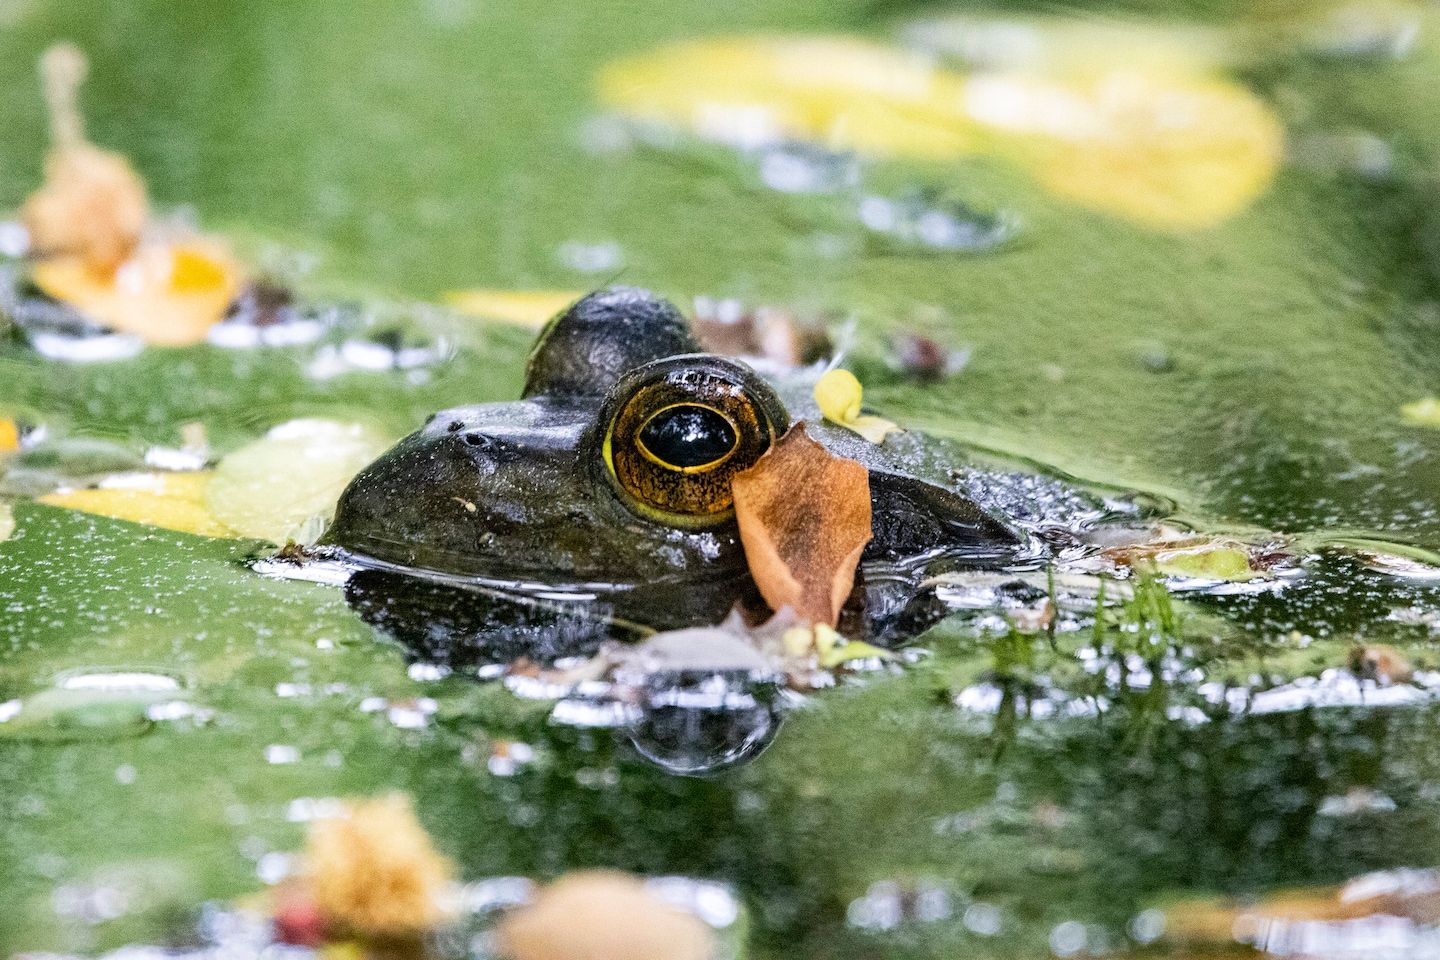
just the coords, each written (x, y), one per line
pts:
(804, 517)
(601, 915)
(374, 871)
(92, 205)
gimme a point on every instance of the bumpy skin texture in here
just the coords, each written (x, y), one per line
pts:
(520, 492)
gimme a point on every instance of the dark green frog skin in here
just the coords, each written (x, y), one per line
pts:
(552, 490)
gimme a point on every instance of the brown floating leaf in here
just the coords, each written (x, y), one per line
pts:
(804, 518)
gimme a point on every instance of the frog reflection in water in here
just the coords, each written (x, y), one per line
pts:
(599, 503)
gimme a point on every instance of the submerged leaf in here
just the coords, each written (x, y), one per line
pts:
(601, 915)
(838, 395)
(525, 308)
(7, 521)
(174, 501)
(272, 488)
(1221, 558)
(167, 294)
(804, 517)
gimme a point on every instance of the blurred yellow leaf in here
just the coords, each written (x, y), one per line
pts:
(1170, 147)
(174, 501)
(9, 435)
(167, 294)
(524, 308)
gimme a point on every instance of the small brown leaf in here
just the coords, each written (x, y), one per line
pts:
(804, 518)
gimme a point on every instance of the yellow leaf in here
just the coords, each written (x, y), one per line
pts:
(804, 518)
(838, 394)
(1169, 146)
(9, 435)
(92, 205)
(525, 308)
(174, 501)
(1171, 152)
(167, 294)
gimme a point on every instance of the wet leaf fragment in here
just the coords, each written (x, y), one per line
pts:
(804, 517)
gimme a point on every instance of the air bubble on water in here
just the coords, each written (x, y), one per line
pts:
(281, 754)
(273, 867)
(591, 258)
(714, 903)
(14, 239)
(805, 168)
(925, 220)
(306, 809)
(1147, 926)
(426, 672)
(983, 919)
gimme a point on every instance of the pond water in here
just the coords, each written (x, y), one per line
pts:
(1088, 783)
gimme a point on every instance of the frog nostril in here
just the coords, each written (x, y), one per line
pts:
(493, 449)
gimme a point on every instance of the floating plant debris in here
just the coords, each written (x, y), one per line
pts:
(605, 916)
(98, 251)
(925, 220)
(926, 359)
(373, 871)
(770, 336)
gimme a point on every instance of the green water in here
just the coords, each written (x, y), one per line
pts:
(417, 147)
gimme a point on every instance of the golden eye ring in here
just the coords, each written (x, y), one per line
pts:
(675, 431)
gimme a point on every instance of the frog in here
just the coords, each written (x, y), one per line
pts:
(609, 481)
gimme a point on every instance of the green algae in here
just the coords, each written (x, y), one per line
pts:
(413, 150)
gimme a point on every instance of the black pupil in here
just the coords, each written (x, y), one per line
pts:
(686, 436)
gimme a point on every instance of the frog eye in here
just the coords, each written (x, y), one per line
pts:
(679, 429)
